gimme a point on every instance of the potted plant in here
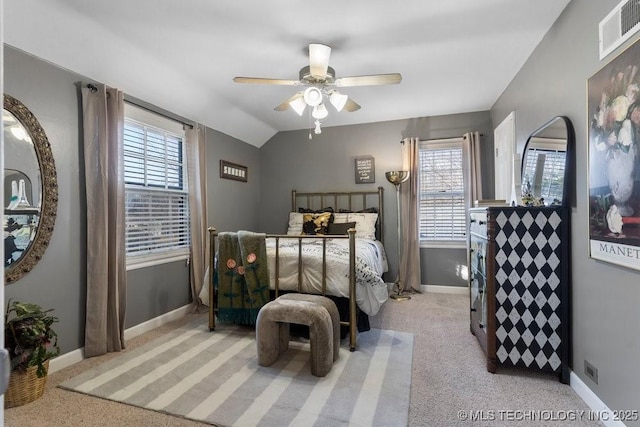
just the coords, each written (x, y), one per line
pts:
(31, 343)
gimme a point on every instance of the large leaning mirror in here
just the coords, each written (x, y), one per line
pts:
(30, 190)
(546, 158)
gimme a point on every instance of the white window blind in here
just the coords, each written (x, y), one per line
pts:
(544, 173)
(156, 193)
(442, 211)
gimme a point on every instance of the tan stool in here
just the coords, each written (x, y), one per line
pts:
(272, 332)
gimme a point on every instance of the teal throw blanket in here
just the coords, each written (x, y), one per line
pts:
(243, 279)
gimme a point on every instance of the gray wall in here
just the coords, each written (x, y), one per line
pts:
(604, 297)
(326, 163)
(58, 281)
(232, 205)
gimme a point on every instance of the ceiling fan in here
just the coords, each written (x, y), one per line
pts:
(321, 83)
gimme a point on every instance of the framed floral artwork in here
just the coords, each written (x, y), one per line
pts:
(613, 103)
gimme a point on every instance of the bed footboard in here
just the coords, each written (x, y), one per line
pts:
(352, 319)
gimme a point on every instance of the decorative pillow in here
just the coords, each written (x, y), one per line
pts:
(366, 210)
(337, 228)
(340, 217)
(365, 224)
(295, 224)
(316, 223)
(373, 210)
(306, 210)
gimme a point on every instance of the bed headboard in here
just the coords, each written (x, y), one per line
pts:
(350, 200)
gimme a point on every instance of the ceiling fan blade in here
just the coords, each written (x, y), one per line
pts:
(266, 81)
(319, 60)
(371, 80)
(351, 106)
(285, 105)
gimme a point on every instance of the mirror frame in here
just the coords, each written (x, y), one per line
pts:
(49, 202)
(568, 162)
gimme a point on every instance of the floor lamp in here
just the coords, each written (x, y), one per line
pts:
(397, 178)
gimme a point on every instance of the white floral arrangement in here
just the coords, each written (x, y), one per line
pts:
(618, 110)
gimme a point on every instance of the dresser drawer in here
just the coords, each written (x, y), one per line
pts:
(478, 222)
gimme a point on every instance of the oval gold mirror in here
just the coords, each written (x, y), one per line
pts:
(30, 187)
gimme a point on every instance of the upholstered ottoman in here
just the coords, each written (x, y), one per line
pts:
(272, 332)
(331, 308)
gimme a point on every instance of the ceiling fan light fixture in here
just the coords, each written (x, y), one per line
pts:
(338, 100)
(319, 59)
(320, 112)
(313, 96)
(317, 130)
(298, 105)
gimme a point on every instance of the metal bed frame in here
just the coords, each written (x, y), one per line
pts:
(311, 199)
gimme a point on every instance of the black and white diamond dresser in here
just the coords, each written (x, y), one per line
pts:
(519, 286)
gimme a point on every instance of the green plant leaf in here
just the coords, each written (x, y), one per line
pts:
(29, 337)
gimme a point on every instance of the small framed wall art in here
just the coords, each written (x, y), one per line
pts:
(233, 171)
(365, 170)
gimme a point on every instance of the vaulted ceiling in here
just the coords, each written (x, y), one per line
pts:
(454, 56)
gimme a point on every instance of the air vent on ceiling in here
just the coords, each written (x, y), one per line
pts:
(620, 24)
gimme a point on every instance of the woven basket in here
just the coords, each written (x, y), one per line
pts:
(25, 387)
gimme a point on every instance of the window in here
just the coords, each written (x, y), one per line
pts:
(441, 204)
(156, 193)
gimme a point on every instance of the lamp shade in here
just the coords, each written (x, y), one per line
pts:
(298, 105)
(338, 100)
(319, 59)
(320, 112)
(313, 96)
(397, 177)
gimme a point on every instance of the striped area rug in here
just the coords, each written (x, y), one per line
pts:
(214, 377)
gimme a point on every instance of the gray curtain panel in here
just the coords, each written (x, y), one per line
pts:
(409, 262)
(197, 171)
(103, 124)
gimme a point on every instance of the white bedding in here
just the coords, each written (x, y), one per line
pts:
(371, 262)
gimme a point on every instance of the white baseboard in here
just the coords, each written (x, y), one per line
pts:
(600, 410)
(459, 290)
(76, 356)
(151, 324)
(66, 359)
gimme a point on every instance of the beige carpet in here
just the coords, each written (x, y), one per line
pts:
(449, 376)
(449, 371)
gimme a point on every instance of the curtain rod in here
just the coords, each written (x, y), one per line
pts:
(151, 110)
(94, 89)
(439, 139)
